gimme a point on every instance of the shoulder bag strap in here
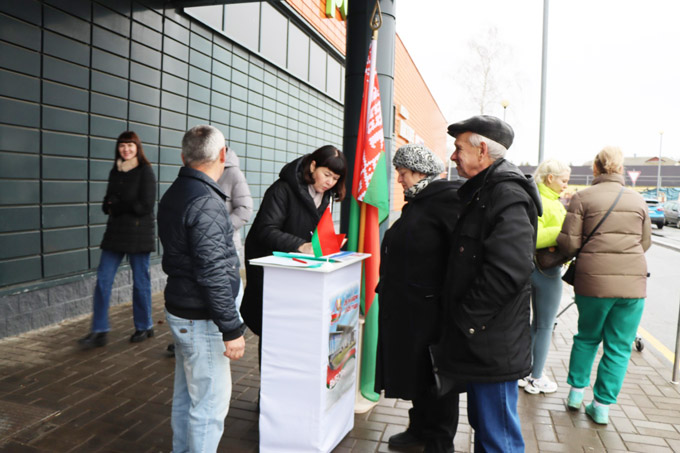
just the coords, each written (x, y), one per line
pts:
(618, 197)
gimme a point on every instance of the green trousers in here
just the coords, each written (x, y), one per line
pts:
(612, 322)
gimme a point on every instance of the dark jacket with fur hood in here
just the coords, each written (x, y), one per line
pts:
(286, 219)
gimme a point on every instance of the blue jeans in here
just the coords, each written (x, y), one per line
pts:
(546, 294)
(492, 413)
(202, 390)
(141, 290)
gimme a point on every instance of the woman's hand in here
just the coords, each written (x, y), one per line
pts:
(306, 248)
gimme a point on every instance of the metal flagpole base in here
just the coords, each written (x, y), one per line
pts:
(361, 404)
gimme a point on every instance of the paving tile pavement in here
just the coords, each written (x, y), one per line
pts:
(55, 397)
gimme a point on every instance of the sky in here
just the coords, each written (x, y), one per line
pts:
(613, 75)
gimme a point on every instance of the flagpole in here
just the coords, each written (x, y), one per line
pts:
(376, 19)
(361, 403)
(332, 203)
(362, 230)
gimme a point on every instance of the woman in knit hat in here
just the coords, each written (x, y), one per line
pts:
(412, 266)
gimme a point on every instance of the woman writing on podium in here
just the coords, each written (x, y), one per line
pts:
(289, 212)
(413, 258)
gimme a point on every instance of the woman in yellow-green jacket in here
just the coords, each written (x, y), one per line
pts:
(552, 177)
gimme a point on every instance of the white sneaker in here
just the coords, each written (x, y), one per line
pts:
(541, 385)
(521, 383)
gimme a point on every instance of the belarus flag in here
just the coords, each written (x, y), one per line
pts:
(369, 206)
(324, 240)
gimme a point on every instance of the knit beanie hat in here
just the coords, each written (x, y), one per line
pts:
(418, 158)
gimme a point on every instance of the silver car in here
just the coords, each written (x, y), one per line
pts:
(670, 213)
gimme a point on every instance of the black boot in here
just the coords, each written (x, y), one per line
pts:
(439, 445)
(93, 340)
(406, 439)
(141, 335)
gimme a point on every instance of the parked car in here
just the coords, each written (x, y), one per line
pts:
(670, 213)
(655, 212)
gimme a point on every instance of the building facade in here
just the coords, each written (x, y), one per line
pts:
(418, 118)
(74, 75)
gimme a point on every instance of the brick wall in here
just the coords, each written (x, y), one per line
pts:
(424, 115)
(333, 29)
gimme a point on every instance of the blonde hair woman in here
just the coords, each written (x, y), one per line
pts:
(552, 178)
(610, 282)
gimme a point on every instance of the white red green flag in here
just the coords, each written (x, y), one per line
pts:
(369, 206)
(324, 240)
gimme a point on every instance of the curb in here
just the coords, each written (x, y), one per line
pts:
(665, 244)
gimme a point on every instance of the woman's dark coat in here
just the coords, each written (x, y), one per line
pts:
(286, 219)
(129, 201)
(413, 261)
(488, 280)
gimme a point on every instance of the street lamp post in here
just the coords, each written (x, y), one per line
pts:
(658, 174)
(505, 103)
(544, 78)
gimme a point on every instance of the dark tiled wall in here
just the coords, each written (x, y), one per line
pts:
(74, 74)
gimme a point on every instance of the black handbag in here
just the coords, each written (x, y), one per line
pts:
(570, 275)
(443, 384)
(549, 257)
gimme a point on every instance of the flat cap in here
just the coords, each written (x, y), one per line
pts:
(486, 125)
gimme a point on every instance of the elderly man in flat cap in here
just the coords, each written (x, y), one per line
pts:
(487, 344)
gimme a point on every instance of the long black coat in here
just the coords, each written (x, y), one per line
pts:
(129, 201)
(488, 277)
(413, 259)
(286, 219)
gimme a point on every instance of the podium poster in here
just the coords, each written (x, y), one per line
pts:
(309, 341)
(342, 344)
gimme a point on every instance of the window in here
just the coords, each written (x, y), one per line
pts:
(211, 15)
(260, 27)
(298, 52)
(317, 66)
(241, 22)
(273, 35)
(333, 80)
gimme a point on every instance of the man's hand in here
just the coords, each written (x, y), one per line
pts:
(235, 348)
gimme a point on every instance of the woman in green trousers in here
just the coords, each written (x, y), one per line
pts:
(610, 282)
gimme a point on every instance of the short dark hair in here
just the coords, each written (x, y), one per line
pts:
(131, 137)
(331, 157)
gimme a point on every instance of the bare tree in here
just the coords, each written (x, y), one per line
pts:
(484, 75)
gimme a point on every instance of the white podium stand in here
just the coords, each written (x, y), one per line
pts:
(309, 341)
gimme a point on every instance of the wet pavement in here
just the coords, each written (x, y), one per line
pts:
(55, 397)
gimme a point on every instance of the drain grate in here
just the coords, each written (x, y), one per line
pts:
(16, 417)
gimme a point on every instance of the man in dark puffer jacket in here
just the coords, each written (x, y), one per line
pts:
(488, 287)
(202, 266)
